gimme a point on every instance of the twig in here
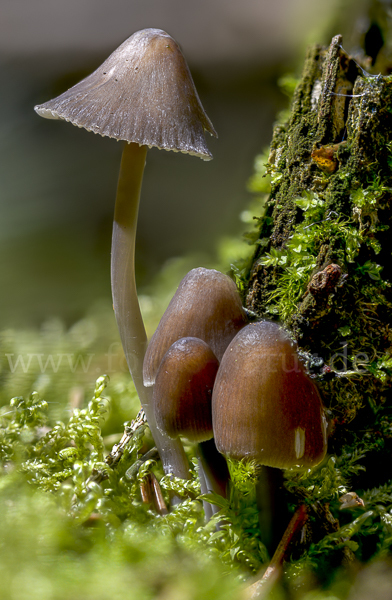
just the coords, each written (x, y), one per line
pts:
(159, 502)
(118, 449)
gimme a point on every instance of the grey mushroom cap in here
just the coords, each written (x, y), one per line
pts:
(143, 93)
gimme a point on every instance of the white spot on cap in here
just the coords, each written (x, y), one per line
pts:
(299, 442)
(324, 425)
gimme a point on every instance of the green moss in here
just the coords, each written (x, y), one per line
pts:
(93, 526)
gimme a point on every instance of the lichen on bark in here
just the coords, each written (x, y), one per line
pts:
(322, 265)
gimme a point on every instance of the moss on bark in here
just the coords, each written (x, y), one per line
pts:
(322, 264)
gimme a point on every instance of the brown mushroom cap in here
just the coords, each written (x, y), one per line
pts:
(183, 389)
(264, 405)
(207, 306)
(143, 93)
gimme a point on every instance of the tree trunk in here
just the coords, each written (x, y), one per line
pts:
(323, 265)
(323, 260)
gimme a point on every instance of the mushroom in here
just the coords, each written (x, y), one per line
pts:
(143, 94)
(264, 405)
(265, 408)
(206, 305)
(182, 406)
(183, 389)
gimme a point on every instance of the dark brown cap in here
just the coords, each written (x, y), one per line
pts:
(183, 389)
(264, 405)
(207, 306)
(143, 93)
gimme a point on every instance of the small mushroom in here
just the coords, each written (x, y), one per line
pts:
(207, 306)
(143, 94)
(264, 405)
(265, 408)
(183, 389)
(182, 405)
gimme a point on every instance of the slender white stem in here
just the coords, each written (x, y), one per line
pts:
(213, 471)
(125, 300)
(204, 490)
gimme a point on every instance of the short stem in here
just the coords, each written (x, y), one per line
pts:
(213, 475)
(204, 490)
(125, 300)
(214, 468)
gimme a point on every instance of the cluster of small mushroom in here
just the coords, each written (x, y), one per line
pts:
(216, 375)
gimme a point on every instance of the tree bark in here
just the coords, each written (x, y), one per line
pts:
(322, 264)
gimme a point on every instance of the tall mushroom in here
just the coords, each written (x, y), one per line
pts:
(143, 94)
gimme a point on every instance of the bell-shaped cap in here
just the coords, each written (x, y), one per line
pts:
(143, 93)
(264, 405)
(207, 306)
(183, 390)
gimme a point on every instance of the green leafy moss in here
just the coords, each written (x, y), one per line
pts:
(68, 533)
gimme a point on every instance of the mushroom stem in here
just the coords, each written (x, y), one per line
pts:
(125, 300)
(214, 468)
(204, 490)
